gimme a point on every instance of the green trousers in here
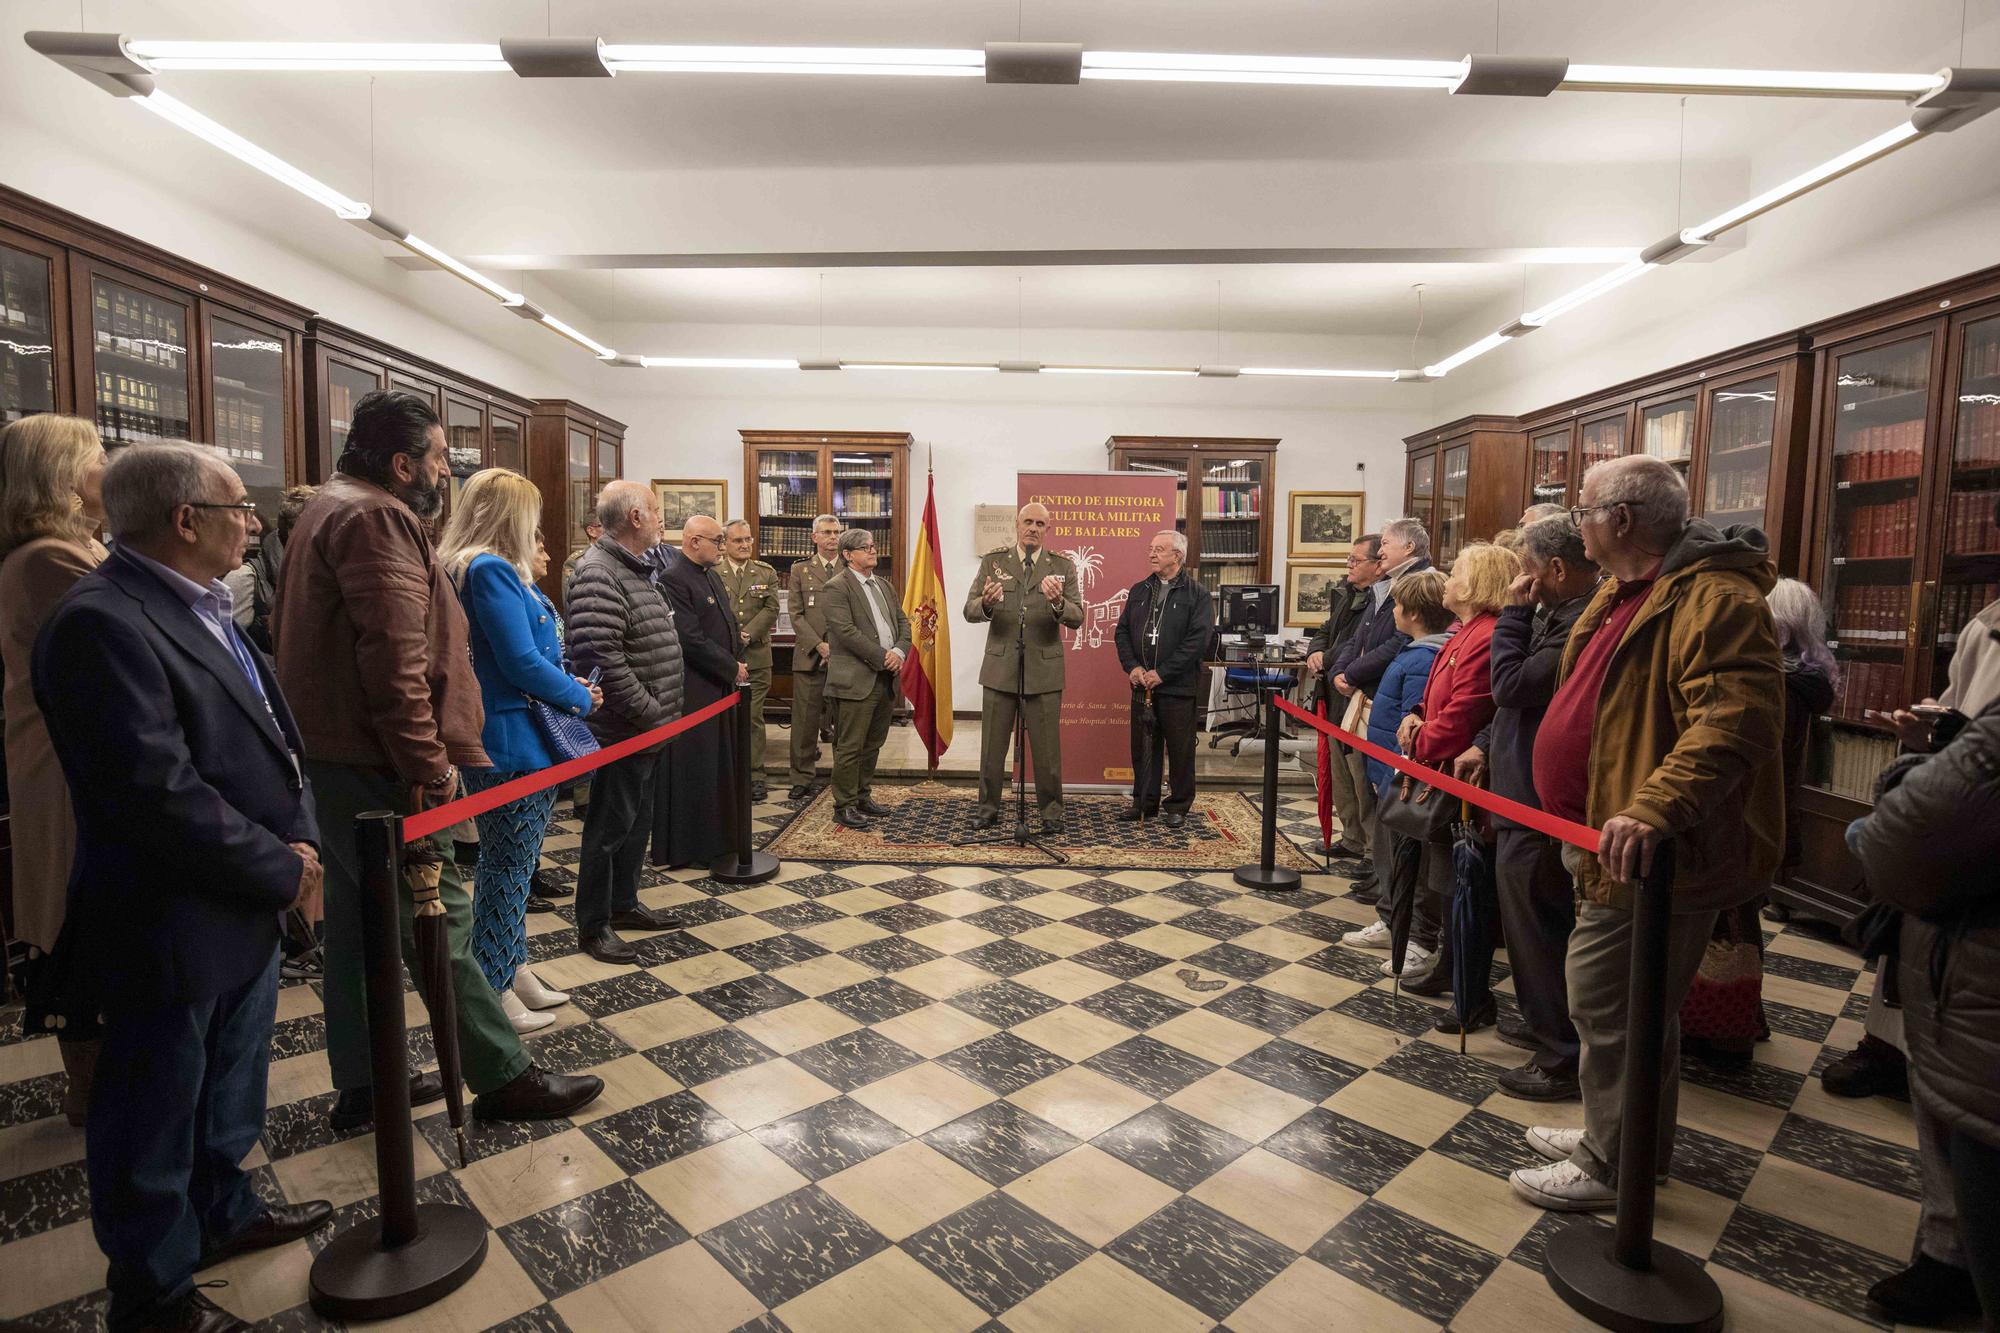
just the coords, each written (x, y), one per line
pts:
(492, 1056)
(859, 728)
(808, 700)
(760, 686)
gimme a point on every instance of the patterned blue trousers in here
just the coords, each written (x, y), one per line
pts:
(510, 847)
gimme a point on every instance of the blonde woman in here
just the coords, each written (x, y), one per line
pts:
(488, 549)
(50, 511)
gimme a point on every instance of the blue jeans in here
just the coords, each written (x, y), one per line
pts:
(179, 1103)
(510, 846)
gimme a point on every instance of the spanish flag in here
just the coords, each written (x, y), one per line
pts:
(927, 675)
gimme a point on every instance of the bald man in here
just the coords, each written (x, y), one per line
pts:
(1027, 595)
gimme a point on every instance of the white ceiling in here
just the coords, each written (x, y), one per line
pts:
(658, 164)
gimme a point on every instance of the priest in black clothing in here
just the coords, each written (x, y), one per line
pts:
(697, 780)
(1161, 639)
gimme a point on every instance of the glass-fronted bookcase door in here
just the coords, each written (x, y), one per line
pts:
(33, 277)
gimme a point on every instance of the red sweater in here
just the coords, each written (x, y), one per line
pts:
(1458, 698)
(1562, 745)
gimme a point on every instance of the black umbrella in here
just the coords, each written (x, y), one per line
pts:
(1146, 782)
(1400, 883)
(1475, 914)
(431, 931)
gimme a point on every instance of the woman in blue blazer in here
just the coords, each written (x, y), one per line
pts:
(488, 548)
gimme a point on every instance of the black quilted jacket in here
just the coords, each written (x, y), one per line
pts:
(619, 623)
(1931, 847)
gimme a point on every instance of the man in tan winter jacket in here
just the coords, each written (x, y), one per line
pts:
(1667, 725)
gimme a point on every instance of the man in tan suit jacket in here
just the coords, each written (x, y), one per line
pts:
(1028, 596)
(810, 651)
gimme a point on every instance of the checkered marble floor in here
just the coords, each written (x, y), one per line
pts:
(860, 1097)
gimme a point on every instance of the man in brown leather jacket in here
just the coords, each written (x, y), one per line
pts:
(375, 661)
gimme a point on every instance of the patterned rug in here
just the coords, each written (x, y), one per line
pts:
(930, 824)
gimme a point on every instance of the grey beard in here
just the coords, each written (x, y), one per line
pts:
(424, 502)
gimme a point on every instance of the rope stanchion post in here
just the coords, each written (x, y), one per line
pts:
(1267, 873)
(411, 1254)
(1620, 1278)
(745, 864)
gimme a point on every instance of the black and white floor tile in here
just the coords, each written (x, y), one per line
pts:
(876, 1097)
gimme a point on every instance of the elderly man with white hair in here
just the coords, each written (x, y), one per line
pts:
(620, 625)
(1667, 724)
(1161, 638)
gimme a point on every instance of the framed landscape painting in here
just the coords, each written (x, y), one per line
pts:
(682, 499)
(1324, 523)
(1309, 594)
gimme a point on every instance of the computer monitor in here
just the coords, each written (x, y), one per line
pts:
(1249, 609)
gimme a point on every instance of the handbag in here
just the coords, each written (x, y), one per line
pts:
(1355, 720)
(567, 734)
(1416, 810)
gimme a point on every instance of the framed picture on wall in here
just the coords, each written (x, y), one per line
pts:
(681, 499)
(1324, 523)
(1309, 593)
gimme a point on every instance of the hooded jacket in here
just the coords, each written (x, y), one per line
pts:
(1929, 847)
(1689, 726)
(1401, 688)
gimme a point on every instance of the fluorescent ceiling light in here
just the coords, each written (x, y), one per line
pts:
(917, 365)
(915, 61)
(1177, 67)
(1590, 291)
(1119, 370)
(504, 295)
(1316, 373)
(176, 112)
(384, 57)
(1465, 354)
(1781, 82)
(1859, 155)
(583, 340)
(719, 362)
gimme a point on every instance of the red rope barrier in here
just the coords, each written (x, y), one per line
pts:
(444, 816)
(1577, 835)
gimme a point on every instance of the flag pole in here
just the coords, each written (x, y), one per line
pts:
(930, 498)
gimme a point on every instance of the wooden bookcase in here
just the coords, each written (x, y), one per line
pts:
(1229, 498)
(572, 452)
(1465, 481)
(792, 476)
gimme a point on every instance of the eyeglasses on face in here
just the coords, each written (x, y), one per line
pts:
(246, 506)
(1577, 513)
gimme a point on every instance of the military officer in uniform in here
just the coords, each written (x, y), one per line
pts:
(1023, 593)
(753, 591)
(810, 651)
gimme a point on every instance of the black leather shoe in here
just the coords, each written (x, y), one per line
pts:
(1530, 1082)
(867, 805)
(538, 1095)
(196, 1314)
(535, 904)
(1432, 981)
(1929, 1292)
(799, 791)
(604, 945)
(1052, 826)
(1448, 1020)
(541, 886)
(466, 854)
(1516, 1033)
(640, 917)
(759, 791)
(986, 819)
(355, 1107)
(280, 1225)
(849, 816)
(1130, 815)
(1872, 1069)
(1174, 819)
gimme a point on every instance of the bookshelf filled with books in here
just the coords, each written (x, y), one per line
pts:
(31, 280)
(1225, 488)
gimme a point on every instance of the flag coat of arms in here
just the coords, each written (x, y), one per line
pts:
(927, 676)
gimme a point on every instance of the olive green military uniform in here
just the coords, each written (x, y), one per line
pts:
(753, 592)
(862, 626)
(1001, 672)
(808, 577)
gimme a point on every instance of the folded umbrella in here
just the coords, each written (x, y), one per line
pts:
(1400, 884)
(1475, 915)
(431, 932)
(1147, 785)
(1325, 762)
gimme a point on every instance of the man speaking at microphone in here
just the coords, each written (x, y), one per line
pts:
(1168, 618)
(1028, 596)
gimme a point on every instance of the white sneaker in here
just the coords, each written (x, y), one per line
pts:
(1414, 961)
(1374, 937)
(524, 1019)
(1555, 1144)
(1564, 1187)
(534, 993)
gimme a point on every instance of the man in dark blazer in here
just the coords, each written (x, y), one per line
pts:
(870, 639)
(697, 783)
(195, 832)
(1162, 637)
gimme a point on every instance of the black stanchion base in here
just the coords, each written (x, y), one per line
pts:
(1675, 1294)
(355, 1278)
(1279, 879)
(753, 869)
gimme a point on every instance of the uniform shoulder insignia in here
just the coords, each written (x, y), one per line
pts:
(998, 550)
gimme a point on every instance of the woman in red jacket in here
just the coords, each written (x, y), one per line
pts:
(1457, 705)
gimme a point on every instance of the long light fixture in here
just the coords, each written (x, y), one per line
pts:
(1119, 370)
(1768, 82)
(1860, 155)
(581, 339)
(890, 61)
(176, 112)
(1314, 372)
(920, 365)
(365, 57)
(719, 362)
(1589, 291)
(500, 293)
(1165, 67)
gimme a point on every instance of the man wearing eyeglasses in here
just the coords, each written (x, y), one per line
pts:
(1353, 800)
(698, 772)
(870, 639)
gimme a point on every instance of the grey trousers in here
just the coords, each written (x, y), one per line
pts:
(1937, 1218)
(1537, 913)
(1353, 800)
(1599, 973)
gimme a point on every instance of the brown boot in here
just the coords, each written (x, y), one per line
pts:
(80, 1063)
